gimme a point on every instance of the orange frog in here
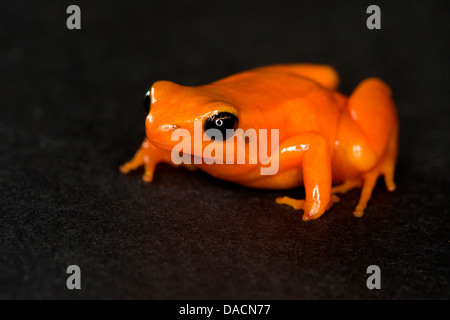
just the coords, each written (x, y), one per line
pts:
(329, 143)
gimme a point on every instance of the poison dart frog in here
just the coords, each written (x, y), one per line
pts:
(328, 142)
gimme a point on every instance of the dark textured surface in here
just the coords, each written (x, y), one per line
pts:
(71, 114)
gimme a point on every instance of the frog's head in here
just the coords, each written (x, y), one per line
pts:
(172, 107)
(206, 121)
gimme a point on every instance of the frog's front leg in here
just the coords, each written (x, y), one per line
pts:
(148, 156)
(315, 161)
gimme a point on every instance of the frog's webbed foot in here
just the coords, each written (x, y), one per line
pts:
(304, 205)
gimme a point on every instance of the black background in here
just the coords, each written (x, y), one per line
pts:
(71, 113)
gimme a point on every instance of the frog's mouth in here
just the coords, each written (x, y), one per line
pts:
(170, 145)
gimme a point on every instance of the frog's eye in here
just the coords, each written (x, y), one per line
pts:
(147, 102)
(221, 121)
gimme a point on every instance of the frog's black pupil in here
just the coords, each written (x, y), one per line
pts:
(221, 121)
(147, 102)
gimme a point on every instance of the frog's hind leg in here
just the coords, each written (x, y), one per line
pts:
(371, 106)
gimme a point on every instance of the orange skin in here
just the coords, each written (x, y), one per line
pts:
(325, 138)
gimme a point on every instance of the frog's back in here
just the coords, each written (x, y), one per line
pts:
(293, 98)
(325, 75)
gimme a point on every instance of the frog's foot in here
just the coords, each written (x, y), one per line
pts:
(388, 172)
(386, 168)
(133, 164)
(305, 206)
(368, 184)
(137, 161)
(370, 180)
(294, 203)
(148, 156)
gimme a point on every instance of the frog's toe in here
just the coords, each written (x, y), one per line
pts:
(312, 210)
(389, 179)
(147, 177)
(129, 166)
(369, 183)
(390, 185)
(149, 169)
(294, 203)
(359, 211)
(333, 199)
(125, 168)
(346, 186)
